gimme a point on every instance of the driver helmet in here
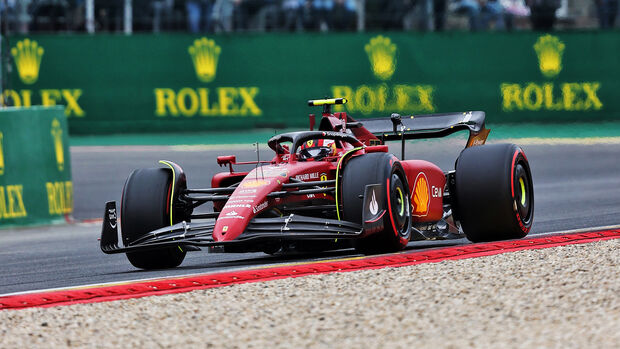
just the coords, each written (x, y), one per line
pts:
(317, 149)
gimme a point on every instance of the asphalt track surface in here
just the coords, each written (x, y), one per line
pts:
(576, 186)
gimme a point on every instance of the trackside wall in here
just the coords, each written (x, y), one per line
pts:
(35, 166)
(184, 82)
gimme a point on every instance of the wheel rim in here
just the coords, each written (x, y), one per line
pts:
(400, 205)
(523, 193)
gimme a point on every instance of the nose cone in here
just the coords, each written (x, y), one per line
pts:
(248, 200)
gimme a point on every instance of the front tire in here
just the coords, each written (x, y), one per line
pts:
(384, 169)
(145, 207)
(494, 192)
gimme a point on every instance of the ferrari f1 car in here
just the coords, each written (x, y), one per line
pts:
(331, 188)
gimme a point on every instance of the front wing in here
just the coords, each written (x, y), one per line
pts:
(292, 227)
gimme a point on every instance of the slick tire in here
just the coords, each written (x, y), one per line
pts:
(378, 168)
(145, 207)
(494, 192)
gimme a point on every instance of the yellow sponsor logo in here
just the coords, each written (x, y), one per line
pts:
(549, 50)
(534, 96)
(221, 101)
(56, 132)
(203, 101)
(12, 202)
(1, 153)
(205, 54)
(48, 97)
(421, 196)
(27, 55)
(254, 183)
(59, 197)
(382, 56)
(368, 99)
(383, 97)
(548, 96)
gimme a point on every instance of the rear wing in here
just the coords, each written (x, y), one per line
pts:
(398, 127)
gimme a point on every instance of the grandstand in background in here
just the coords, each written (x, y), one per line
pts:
(128, 16)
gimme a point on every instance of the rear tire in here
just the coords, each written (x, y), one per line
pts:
(378, 168)
(494, 192)
(145, 207)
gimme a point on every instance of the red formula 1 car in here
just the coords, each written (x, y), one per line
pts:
(333, 188)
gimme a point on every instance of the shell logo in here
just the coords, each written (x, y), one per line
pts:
(420, 197)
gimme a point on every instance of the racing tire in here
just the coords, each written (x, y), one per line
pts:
(145, 207)
(494, 193)
(378, 168)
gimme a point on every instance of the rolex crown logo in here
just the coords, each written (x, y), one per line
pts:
(58, 148)
(549, 50)
(382, 55)
(205, 54)
(27, 55)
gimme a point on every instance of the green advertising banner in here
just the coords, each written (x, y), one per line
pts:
(180, 82)
(35, 166)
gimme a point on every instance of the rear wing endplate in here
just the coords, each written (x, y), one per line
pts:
(398, 127)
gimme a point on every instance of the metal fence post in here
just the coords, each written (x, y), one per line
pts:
(128, 14)
(361, 15)
(90, 16)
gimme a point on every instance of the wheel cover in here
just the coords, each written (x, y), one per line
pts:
(523, 195)
(400, 207)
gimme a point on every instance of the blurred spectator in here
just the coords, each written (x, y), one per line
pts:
(322, 8)
(8, 13)
(298, 15)
(542, 13)
(342, 16)
(291, 14)
(49, 15)
(309, 16)
(108, 15)
(606, 10)
(255, 14)
(77, 15)
(222, 15)
(481, 14)
(439, 15)
(513, 10)
(471, 8)
(199, 15)
(388, 14)
(492, 15)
